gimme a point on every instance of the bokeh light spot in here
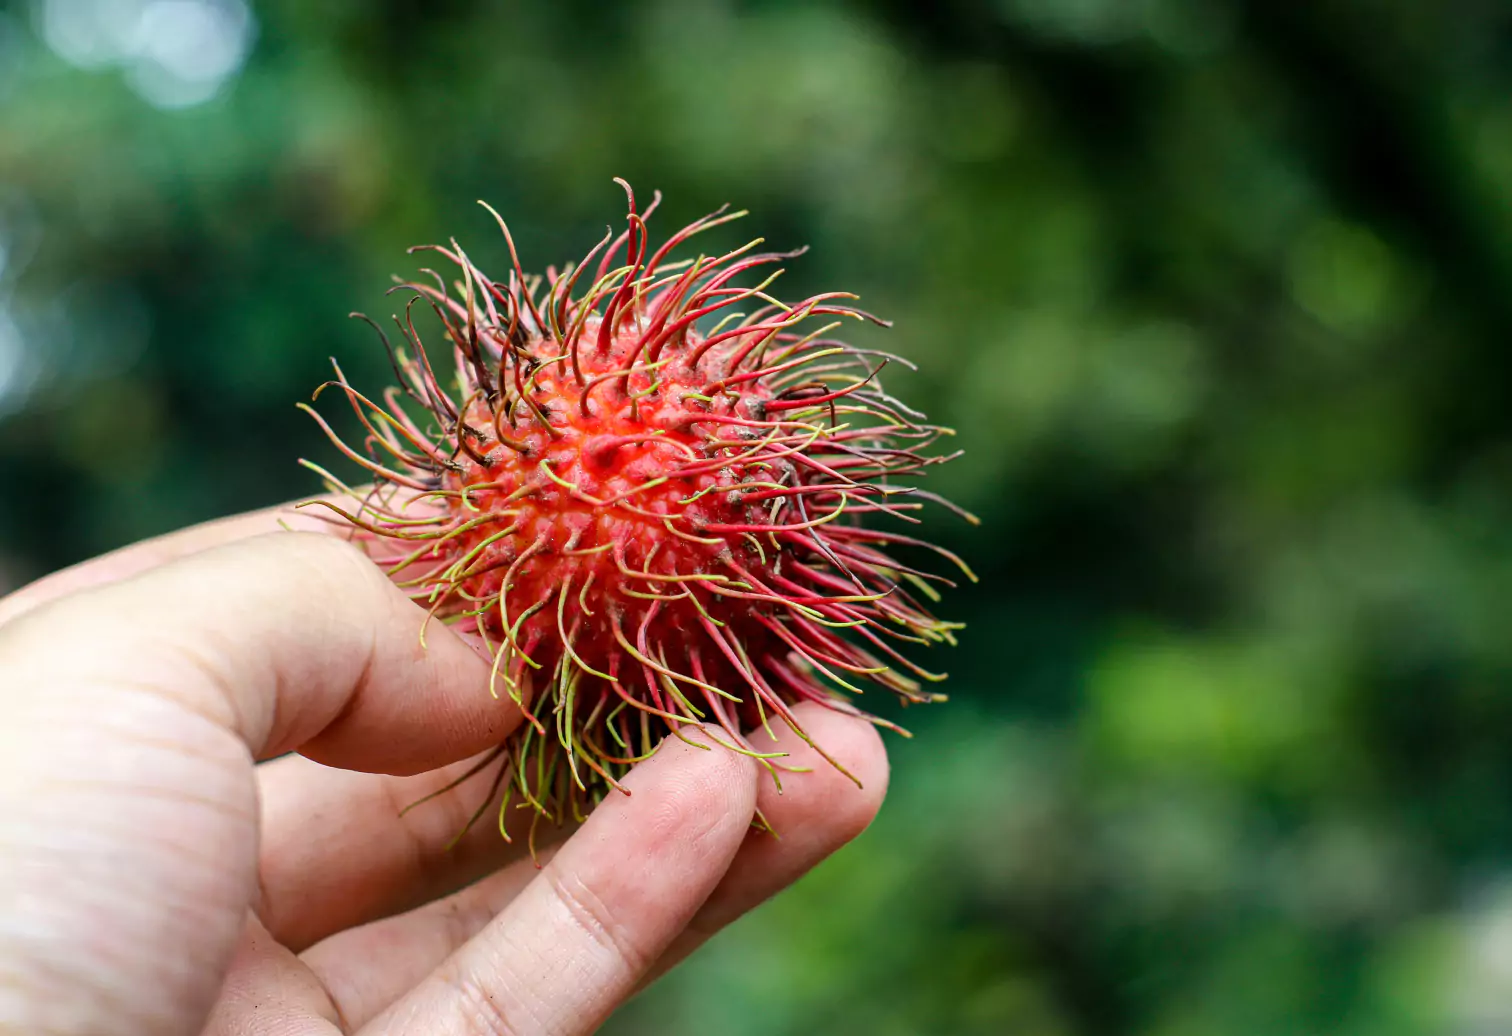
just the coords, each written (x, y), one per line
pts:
(175, 53)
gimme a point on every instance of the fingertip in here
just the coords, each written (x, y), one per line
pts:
(707, 749)
(814, 814)
(837, 797)
(695, 778)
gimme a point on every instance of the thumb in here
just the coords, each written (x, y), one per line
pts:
(128, 794)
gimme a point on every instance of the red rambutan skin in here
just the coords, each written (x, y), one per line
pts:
(645, 502)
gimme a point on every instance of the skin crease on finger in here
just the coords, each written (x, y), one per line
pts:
(99, 892)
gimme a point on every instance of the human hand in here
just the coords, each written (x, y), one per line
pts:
(167, 867)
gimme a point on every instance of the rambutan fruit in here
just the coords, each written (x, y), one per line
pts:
(645, 502)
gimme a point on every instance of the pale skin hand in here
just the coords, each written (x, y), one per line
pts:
(157, 878)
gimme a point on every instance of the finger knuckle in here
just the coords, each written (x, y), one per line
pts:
(481, 1012)
(594, 917)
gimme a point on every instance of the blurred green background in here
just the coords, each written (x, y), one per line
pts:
(1218, 294)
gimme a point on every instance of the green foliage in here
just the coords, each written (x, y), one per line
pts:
(1216, 293)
